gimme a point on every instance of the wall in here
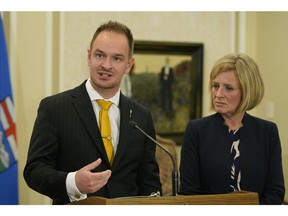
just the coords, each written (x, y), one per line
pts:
(54, 57)
(157, 26)
(272, 50)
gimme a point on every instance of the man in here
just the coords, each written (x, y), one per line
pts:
(166, 81)
(67, 160)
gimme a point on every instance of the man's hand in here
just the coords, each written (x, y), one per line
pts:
(88, 182)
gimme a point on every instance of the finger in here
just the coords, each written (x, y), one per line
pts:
(106, 174)
(101, 179)
(92, 165)
(102, 176)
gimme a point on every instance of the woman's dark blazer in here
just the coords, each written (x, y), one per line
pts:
(206, 163)
(66, 138)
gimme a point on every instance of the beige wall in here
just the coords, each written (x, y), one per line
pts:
(272, 50)
(48, 53)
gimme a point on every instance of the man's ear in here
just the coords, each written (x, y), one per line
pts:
(129, 65)
(88, 56)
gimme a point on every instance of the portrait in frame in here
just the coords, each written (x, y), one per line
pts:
(167, 79)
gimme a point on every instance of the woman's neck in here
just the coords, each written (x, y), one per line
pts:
(234, 122)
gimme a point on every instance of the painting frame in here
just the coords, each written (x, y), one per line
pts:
(194, 81)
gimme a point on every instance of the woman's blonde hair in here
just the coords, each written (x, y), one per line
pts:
(247, 72)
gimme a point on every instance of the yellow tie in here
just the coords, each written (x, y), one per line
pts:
(105, 128)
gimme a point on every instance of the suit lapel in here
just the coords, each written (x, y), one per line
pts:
(125, 107)
(83, 105)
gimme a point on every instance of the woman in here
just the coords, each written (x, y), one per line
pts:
(232, 150)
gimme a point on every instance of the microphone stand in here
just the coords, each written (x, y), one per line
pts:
(174, 171)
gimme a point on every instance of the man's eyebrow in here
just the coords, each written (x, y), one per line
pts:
(98, 50)
(115, 54)
(119, 55)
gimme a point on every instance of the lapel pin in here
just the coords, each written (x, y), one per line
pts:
(130, 114)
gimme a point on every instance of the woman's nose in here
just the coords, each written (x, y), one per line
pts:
(220, 92)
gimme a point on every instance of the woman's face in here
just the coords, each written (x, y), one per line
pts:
(226, 93)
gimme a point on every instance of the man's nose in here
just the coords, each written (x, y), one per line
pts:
(107, 63)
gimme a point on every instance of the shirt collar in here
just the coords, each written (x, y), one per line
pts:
(94, 95)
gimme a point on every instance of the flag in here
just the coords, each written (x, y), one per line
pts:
(8, 147)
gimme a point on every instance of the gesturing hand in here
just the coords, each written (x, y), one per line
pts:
(88, 182)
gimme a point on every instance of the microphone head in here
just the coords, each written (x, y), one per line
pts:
(133, 124)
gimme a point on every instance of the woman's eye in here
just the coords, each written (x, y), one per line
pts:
(229, 88)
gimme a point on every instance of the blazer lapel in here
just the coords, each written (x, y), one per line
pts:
(83, 105)
(125, 116)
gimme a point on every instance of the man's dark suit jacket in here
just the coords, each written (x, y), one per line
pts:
(66, 138)
(206, 163)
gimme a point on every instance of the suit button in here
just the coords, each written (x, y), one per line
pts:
(77, 196)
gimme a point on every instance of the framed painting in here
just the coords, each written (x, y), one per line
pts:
(167, 79)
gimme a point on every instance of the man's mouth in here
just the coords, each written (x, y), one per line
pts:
(104, 75)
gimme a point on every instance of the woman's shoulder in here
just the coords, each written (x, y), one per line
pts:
(204, 121)
(209, 117)
(257, 122)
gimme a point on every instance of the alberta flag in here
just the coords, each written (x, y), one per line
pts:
(8, 147)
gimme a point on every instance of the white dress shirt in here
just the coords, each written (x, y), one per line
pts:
(114, 116)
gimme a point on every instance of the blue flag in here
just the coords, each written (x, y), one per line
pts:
(8, 147)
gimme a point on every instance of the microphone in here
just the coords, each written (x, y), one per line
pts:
(174, 172)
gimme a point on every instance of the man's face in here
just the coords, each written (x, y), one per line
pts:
(109, 61)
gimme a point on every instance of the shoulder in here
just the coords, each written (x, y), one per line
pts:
(132, 110)
(65, 96)
(131, 104)
(253, 121)
(205, 125)
(260, 127)
(206, 121)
